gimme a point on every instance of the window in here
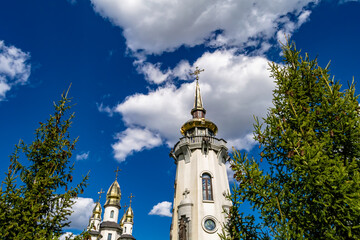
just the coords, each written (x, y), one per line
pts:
(109, 236)
(209, 224)
(206, 187)
(112, 214)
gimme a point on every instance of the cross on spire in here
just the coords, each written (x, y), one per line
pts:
(124, 206)
(101, 191)
(116, 171)
(131, 197)
(186, 192)
(197, 72)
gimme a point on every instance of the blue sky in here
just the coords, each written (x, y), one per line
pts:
(128, 62)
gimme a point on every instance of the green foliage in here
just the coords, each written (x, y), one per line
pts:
(31, 205)
(310, 187)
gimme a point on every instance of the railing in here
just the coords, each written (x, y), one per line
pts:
(200, 139)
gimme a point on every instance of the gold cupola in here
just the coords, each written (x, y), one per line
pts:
(198, 112)
(97, 211)
(122, 221)
(113, 195)
(129, 215)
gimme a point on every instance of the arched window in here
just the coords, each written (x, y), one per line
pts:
(112, 214)
(206, 187)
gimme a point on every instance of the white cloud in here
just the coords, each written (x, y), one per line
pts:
(82, 156)
(289, 27)
(152, 72)
(105, 109)
(67, 235)
(82, 211)
(234, 89)
(14, 69)
(162, 25)
(247, 142)
(182, 70)
(134, 139)
(229, 172)
(162, 209)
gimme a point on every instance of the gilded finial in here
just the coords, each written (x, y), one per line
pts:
(131, 197)
(101, 191)
(124, 207)
(197, 72)
(116, 171)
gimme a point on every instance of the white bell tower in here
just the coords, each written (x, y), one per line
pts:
(201, 182)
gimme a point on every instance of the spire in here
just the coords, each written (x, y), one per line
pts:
(131, 197)
(113, 195)
(101, 191)
(129, 214)
(127, 222)
(198, 111)
(198, 101)
(117, 171)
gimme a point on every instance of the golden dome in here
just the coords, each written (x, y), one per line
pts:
(127, 217)
(113, 195)
(122, 221)
(97, 211)
(198, 122)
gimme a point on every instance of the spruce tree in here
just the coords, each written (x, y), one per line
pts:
(36, 195)
(306, 182)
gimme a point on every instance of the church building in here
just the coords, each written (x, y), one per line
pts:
(201, 182)
(109, 228)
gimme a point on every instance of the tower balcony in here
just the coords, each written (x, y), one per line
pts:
(205, 143)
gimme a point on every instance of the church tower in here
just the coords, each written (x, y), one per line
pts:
(127, 222)
(110, 229)
(201, 182)
(94, 222)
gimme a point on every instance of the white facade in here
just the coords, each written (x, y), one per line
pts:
(199, 203)
(111, 214)
(127, 229)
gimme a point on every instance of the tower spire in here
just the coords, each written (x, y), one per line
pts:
(198, 111)
(101, 191)
(131, 197)
(117, 171)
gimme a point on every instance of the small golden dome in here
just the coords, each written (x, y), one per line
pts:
(127, 217)
(113, 195)
(122, 221)
(97, 210)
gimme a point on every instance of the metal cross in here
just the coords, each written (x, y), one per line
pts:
(131, 197)
(197, 72)
(101, 191)
(117, 170)
(125, 206)
(186, 192)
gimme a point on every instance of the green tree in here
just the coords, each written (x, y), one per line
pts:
(36, 197)
(306, 183)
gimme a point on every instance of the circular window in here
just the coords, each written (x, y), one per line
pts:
(209, 224)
